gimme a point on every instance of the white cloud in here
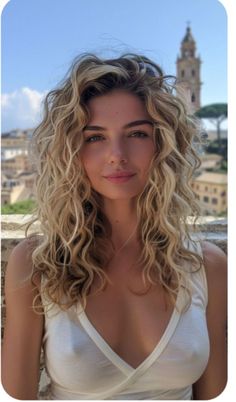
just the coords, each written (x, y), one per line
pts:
(21, 109)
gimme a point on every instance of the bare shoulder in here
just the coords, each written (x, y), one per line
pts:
(215, 261)
(214, 378)
(23, 329)
(20, 265)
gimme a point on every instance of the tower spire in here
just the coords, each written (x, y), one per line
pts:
(188, 69)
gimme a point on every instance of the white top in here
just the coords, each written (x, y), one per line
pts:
(81, 364)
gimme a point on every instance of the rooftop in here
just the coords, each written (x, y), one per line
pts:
(211, 157)
(212, 178)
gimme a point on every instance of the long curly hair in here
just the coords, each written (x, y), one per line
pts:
(75, 233)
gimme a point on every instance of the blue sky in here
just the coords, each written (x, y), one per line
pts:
(41, 37)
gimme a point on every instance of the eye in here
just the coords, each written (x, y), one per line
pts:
(139, 134)
(93, 138)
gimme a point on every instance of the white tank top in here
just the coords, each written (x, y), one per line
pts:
(81, 364)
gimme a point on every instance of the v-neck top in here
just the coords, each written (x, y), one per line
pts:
(82, 365)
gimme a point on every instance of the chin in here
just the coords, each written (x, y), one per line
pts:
(119, 195)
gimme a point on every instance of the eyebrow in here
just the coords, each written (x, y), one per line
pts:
(128, 125)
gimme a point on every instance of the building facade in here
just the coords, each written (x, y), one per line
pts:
(188, 71)
(17, 171)
(211, 190)
(18, 164)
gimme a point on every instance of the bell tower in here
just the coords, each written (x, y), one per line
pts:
(188, 71)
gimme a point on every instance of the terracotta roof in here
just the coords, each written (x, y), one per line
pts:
(216, 178)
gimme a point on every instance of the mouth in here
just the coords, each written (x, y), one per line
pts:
(120, 178)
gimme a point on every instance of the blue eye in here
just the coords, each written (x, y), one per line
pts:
(94, 138)
(140, 134)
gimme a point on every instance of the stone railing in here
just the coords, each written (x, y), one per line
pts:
(212, 229)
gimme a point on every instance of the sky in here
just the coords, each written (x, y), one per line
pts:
(40, 38)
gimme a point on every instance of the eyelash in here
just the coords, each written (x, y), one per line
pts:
(143, 135)
(89, 139)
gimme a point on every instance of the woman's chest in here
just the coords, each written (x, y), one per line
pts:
(129, 319)
(78, 359)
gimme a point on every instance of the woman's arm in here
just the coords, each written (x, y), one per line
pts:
(214, 378)
(23, 328)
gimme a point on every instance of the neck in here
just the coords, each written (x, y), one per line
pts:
(123, 218)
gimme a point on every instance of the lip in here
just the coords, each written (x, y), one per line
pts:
(120, 174)
(120, 177)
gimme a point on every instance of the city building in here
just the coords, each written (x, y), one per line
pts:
(210, 161)
(15, 138)
(11, 152)
(18, 164)
(211, 190)
(17, 188)
(188, 71)
(17, 175)
(14, 143)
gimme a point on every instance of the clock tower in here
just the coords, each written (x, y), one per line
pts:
(188, 71)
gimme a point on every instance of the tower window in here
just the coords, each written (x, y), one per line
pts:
(193, 98)
(193, 73)
(182, 73)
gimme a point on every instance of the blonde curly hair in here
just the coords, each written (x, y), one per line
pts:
(72, 249)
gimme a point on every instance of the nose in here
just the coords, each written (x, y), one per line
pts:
(117, 153)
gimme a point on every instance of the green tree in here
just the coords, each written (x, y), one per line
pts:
(216, 113)
(214, 147)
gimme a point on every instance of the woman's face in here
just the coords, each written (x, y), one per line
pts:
(118, 145)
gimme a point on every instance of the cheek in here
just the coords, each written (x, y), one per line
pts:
(91, 161)
(92, 155)
(144, 155)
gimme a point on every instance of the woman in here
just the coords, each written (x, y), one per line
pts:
(127, 303)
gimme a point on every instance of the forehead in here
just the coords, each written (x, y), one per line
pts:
(118, 104)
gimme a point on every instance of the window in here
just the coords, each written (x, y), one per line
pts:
(206, 199)
(214, 201)
(223, 194)
(193, 73)
(182, 73)
(206, 188)
(193, 98)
